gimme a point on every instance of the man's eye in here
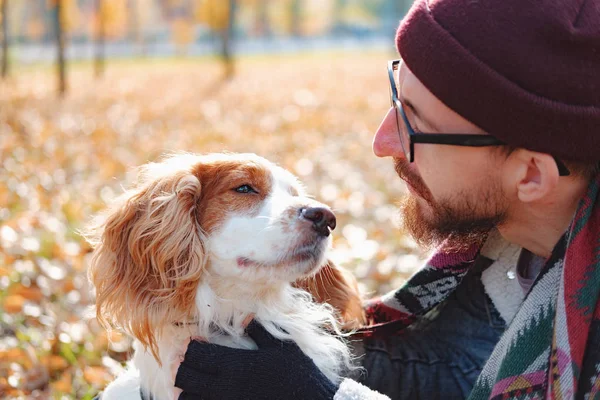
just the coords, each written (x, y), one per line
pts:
(245, 189)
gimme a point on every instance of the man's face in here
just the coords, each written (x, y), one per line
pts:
(455, 193)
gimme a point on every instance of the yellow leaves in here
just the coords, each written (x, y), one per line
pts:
(6, 389)
(317, 17)
(62, 161)
(281, 16)
(100, 341)
(31, 293)
(212, 13)
(35, 28)
(21, 370)
(68, 285)
(354, 14)
(183, 31)
(311, 18)
(176, 3)
(63, 385)
(114, 15)
(70, 15)
(13, 355)
(97, 376)
(112, 12)
(55, 363)
(13, 304)
(18, 295)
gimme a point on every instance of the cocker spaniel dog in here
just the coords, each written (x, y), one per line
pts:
(203, 242)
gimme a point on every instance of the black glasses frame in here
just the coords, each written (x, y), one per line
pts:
(452, 139)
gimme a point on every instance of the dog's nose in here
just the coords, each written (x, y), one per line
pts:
(322, 219)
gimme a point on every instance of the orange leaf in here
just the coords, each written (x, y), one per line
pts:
(14, 304)
(96, 375)
(13, 355)
(63, 385)
(56, 363)
(32, 293)
(68, 285)
(116, 336)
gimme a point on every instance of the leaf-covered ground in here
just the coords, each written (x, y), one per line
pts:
(61, 160)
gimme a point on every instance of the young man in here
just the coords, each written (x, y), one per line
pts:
(495, 128)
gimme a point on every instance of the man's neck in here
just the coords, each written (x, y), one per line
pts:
(538, 227)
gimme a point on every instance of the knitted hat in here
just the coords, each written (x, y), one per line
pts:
(525, 71)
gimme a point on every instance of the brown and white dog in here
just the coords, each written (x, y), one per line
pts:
(201, 243)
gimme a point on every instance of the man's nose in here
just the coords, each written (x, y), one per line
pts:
(386, 142)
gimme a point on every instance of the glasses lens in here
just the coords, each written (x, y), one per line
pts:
(402, 130)
(400, 121)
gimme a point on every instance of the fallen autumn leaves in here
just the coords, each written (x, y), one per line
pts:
(61, 160)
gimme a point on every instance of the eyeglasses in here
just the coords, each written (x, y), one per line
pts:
(408, 136)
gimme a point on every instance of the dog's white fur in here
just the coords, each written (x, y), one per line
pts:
(250, 259)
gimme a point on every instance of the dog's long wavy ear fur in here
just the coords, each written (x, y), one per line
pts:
(149, 256)
(339, 288)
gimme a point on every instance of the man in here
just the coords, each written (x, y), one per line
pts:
(495, 128)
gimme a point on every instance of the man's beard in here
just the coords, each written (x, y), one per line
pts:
(458, 222)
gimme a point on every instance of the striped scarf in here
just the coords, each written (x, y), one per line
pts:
(551, 349)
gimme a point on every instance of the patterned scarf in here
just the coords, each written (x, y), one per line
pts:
(551, 349)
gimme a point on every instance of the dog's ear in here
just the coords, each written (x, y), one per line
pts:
(337, 287)
(149, 256)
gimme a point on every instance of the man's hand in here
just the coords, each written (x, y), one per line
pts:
(181, 355)
(277, 370)
(177, 362)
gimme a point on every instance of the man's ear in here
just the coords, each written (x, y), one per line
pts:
(339, 288)
(149, 257)
(533, 175)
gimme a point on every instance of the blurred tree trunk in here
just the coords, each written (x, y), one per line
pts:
(227, 38)
(100, 40)
(338, 18)
(135, 31)
(60, 46)
(295, 14)
(4, 12)
(263, 27)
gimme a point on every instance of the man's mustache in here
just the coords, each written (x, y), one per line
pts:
(402, 167)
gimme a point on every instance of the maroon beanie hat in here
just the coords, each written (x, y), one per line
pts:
(525, 71)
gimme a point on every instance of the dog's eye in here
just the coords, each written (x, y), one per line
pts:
(245, 189)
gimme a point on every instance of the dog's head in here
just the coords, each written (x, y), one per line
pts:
(232, 215)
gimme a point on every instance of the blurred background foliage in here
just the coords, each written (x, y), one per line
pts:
(300, 82)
